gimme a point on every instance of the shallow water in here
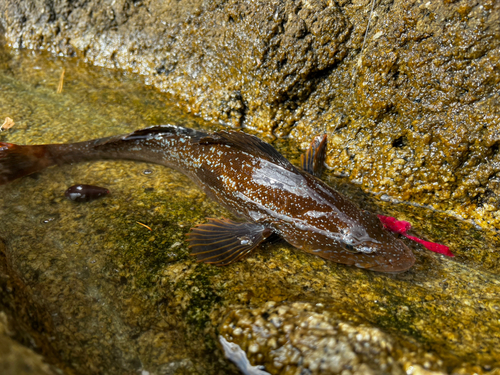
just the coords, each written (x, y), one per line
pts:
(64, 249)
(123, 296)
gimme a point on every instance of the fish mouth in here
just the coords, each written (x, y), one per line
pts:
(396, 258)
(386, 269)
(391, 255)
(394, 267)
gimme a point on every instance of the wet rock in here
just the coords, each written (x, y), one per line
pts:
(16, 359)
(410, 103)
(94, 291)
(301, 338)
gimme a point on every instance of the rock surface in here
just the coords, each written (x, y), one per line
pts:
(300, 337)
(96, 292)
(412, 111)
(15, 358)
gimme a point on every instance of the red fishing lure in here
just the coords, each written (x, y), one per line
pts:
(401, 227)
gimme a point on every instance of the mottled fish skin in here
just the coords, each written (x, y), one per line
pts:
(253, 181)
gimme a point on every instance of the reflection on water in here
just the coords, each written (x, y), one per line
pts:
(94, 103)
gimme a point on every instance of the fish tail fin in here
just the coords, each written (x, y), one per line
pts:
(18, 161)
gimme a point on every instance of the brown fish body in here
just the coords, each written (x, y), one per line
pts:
(252, 180)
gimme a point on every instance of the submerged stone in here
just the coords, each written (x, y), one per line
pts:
(297, 338)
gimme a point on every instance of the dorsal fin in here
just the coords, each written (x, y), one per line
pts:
(164, 129)
(312, 161)
(248, 143)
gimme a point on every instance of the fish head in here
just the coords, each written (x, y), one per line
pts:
(329, 225)
(375, 248)
(360, 242)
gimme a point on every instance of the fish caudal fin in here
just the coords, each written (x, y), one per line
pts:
(18, 161)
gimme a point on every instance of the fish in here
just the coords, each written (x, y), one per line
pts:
(264, 191)
(85, 193)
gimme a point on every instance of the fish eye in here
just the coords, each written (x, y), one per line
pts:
(349, 247)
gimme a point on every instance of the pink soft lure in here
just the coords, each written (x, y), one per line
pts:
(401, 227)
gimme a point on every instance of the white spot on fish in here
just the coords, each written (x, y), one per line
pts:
(245, 241)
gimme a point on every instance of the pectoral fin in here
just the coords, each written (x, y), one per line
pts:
(224, 241)
(312, 160)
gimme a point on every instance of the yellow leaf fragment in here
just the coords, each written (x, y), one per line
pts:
(144, 225)
(7, 124)
(61, 83)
